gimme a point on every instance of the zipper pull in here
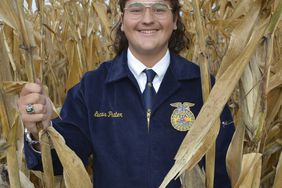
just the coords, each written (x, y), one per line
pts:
(148, 118)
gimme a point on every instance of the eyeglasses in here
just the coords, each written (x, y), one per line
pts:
(137, 9)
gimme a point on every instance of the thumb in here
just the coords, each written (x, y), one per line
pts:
(46, 123)
(39, 82)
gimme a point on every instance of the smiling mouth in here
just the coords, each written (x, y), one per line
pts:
(148, 31)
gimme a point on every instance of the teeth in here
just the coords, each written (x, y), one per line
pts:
(148, 31)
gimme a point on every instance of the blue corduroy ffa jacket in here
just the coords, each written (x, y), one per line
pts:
(104, 115)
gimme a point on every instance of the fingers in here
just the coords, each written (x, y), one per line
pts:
(39, 104)
(30, 120)
(46, 123)
(33, 98)
(31, 88)
(34, 118)
(31, 127)
(38, 81)
(37, 109)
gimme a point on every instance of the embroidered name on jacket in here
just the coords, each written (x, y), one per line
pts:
(109, 114)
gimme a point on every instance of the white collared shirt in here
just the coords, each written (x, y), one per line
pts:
(136, 67)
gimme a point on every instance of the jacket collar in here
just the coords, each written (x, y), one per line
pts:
(181, 68)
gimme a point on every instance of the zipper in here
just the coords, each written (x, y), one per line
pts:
(148, 118)
(148, 114)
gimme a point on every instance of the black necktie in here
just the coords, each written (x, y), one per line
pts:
(149, 92)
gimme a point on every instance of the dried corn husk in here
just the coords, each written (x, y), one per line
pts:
(73, 178)
(251, 171)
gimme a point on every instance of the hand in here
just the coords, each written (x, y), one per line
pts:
(33, 95)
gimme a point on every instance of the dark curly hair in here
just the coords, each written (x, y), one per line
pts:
(178, 40)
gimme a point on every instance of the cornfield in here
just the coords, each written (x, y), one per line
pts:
(238, 41)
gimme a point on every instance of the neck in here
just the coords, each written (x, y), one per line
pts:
(149, 59)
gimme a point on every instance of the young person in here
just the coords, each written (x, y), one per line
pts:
(133, 112)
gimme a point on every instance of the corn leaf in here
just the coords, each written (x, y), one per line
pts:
(12, 161)
(102, 13)
(70, 161)
(194, 178)
(278, 176)
(240, 35)
(11, 87)
(235, 153)
(8, 15)
(251, 171)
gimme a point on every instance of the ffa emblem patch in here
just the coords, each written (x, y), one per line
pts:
(182, 118)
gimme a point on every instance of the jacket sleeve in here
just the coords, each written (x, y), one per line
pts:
(222, 143)
(73, 127)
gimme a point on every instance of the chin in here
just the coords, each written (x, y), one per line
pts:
(148, 47)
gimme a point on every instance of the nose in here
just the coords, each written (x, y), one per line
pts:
(148, 16)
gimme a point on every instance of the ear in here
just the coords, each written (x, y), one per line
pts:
(175, 22)
(121, 21)
(175, 26)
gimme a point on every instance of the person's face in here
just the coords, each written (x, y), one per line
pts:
(148, 29)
